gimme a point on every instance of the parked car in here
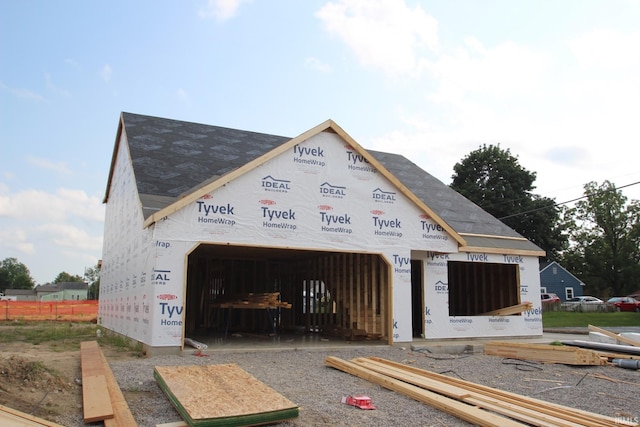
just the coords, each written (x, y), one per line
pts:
(624, 304)
(549, 298)
(583, 303)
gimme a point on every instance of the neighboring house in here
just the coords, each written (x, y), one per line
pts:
(62, 291)
(635, 295)
(555, 279)
(197, 215)
(21, 294)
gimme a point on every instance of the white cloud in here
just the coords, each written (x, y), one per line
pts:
(220, 10)
(58, 206)
(16, 239)
(47, 164)
(316, 64)
(23, 93)
(106, 72)
(609, 49)
(505, 70)
(69, 236)
(384, 34)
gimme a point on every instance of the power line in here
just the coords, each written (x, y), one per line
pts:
(564, 203)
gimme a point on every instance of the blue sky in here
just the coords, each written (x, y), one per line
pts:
(556, 83)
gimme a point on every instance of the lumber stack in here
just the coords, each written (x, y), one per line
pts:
(253, 300)
(102, 399)
(474, 403)
(545, 353)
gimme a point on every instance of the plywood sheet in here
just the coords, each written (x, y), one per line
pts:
(212, 395)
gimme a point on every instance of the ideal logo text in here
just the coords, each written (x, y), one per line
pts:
(383, 196)
(329, 190)
(270, 183)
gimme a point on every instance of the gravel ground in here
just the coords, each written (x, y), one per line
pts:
(302, 377)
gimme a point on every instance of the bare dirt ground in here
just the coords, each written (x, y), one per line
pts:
(43, 380)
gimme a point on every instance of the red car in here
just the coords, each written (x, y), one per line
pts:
(624, 304)
(548, 298)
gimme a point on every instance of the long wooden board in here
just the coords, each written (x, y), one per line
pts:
(96, 402)
(10, 417)
(222, 395)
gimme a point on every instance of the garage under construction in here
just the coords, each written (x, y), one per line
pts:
(217, 231)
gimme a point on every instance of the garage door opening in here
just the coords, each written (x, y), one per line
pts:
(476, 288)
(331, 293)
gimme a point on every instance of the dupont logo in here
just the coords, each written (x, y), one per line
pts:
(267, 202)
(377, 212)
(167, 297)
(425, 216)
(206, 197)
(325, 207)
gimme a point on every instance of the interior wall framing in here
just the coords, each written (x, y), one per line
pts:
(479, 287)
(354, 295)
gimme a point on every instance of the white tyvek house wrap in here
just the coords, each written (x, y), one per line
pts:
(318, 195)
(126, 292)
(438, 323)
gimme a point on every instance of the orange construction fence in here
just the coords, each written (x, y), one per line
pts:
(77, 311)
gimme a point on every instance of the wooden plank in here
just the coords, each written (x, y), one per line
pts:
(122, 416)
(620, 338)
(495, 404)
(545, 353)
(96, 402)
(571, 414)
(461, 410)
(508, 311)
(10, 417)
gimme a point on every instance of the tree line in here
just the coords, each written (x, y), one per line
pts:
(597, 239)
(16, 275)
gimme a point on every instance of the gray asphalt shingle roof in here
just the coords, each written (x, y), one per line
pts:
(172, 158)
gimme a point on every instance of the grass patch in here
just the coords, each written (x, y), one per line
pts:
(63, 336)
(558, 319)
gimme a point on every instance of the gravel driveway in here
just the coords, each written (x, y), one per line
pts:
(302, 377)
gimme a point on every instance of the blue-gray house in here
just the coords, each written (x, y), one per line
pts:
(554, 278)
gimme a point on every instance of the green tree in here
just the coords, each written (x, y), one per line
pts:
(605, 245)
(92, 276)
(14, 275)
(66, 277)
(493, 179)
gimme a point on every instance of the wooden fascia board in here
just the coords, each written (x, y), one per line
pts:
(224, 179)
(116, 146)
(398, 184)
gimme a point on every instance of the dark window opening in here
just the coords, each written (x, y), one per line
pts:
(476, 288)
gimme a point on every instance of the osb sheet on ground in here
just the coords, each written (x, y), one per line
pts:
(222, 395)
